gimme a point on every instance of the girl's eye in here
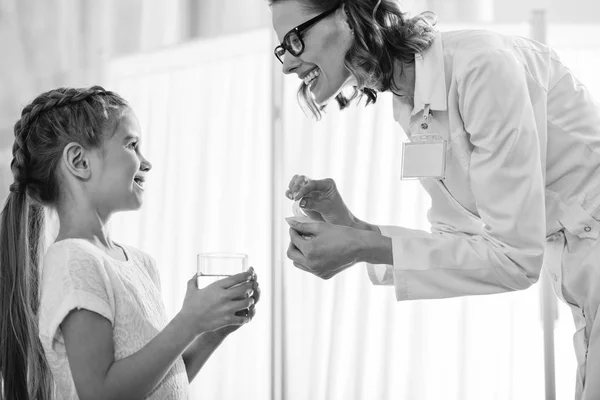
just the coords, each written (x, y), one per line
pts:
(132, 145)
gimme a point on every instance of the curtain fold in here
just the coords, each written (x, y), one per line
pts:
(348, 339)
(205, 113)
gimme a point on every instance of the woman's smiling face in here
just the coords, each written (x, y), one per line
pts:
(321, 64)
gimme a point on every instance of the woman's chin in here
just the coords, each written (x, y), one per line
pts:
(320, 102)
(322, 97)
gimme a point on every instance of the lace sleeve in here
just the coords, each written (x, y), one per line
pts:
(72, 278)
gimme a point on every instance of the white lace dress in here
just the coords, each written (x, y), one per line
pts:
(78, 275)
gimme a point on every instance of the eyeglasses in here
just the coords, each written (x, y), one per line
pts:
(292, 41)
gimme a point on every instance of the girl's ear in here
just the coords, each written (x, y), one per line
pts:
(76, 161)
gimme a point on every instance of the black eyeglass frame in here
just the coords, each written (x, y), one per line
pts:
(283, 47)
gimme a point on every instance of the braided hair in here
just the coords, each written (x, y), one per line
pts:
(53, 120)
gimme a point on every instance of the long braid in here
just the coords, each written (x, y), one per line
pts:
(20, 158)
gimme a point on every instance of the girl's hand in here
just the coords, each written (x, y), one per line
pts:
(215, 306)
(250, 312)
(320, 200)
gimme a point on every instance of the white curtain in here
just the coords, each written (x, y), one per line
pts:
(345, 338)
(222, 160)
(353, 340)
(204, 108)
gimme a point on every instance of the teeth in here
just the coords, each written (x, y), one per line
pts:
(312, 75)
(139, 182)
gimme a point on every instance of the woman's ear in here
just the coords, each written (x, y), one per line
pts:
(76, 161)
(346, 17)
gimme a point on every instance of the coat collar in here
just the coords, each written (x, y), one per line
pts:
(430, 78)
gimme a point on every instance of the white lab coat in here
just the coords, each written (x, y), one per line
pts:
(522, 177)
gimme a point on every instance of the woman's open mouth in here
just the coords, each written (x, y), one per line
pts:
(312, 77)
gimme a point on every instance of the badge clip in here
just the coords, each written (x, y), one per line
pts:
(424, 156)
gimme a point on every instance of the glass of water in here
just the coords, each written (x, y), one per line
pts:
(213, 267)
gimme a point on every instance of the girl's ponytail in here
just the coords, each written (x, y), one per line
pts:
(23, 367)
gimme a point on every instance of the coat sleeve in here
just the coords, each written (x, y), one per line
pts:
(506, 253)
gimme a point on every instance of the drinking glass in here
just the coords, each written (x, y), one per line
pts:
(216, 266)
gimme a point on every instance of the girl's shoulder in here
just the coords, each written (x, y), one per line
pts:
(73, 249)
(73, 257)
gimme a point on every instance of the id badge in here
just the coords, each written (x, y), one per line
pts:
(424, 157)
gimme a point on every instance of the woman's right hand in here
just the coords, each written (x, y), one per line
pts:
(320, 200)
(214, 306)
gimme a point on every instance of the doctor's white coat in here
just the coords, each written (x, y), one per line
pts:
(522, 163)
(522, 184)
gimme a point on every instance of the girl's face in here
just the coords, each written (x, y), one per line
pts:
(321, 64)
(118, 184)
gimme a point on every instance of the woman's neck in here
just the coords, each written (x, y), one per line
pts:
(403, 83)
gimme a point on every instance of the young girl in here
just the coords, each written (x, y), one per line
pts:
(102, 331)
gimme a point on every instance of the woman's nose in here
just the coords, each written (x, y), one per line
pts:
(290, 63)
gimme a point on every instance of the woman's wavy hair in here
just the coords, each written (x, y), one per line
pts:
(53, 120)
(383, 34)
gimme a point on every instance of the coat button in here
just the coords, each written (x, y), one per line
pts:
(555, 277)
(587, 229)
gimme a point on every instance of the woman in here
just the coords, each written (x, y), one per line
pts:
(511, 143)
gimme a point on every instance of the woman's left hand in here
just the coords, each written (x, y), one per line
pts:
(251, 312)
(323, 249)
